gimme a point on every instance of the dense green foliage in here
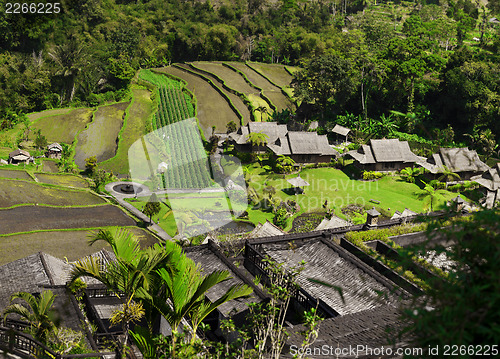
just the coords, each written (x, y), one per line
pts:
(437, 62)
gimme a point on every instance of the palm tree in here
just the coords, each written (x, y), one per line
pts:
(262, 109)
(430, 196)
(409, 174)
(183, 294)
(387, 125)
(258, 138)
(284, 164)
(37, 312)
(133, 269)
(69, 58)
(448, 175)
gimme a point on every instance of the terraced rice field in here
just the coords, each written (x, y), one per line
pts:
(36, 218)
(70, 244)
(66, 180)
(55, 111)
(276, 73)
(49, 166)
(63, 127)
(15, 192)
(212, 108)
(15, 174)
(139, 113)
(231, 78)
(100, 138)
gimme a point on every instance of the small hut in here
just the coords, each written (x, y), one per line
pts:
(372, 217)
(297, 183)
(458, 203)
(54, 150)
(341, 133)
(19, 156)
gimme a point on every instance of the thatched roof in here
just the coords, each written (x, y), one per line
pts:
(298, 182)
(267, 229)
(309, 143)
(272, 129)
(373, 212)
(19, 155)
(404, 214)
(489, 179)
(392, 150)
(363, 155)
(341, 130)
(334, 222)
(54, 147)
(462, 160)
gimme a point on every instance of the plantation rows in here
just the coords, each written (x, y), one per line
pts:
(189, 167)
(172, 108)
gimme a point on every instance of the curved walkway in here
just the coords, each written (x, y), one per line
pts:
(145, 192)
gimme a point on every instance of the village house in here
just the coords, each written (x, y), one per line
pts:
(54, 150)
(302, 147)
(490, 181)
(19, 156)
(462, 161)
(384, 155)
(341, 133)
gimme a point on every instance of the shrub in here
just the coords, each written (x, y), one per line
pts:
(372, 175)
(456, 187)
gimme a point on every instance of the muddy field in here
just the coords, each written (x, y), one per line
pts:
(31, 218)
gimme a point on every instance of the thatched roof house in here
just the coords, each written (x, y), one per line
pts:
(334, 222)
(490, 179)
(304, 147)
(272, 129)
(54, 150)
(462, 161)
(267, 229)
(341, 132)
(384, 155)
(19, 156)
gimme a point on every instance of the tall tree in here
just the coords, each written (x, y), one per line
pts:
(153, 207)
(324, 80)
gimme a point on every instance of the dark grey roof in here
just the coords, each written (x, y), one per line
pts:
(329, 264)
(372, 328)
(272, 129)
(363, 155)
(458, 200)
(404, 214)
(489, 179)
(267, 229)
(392, 150)
(373, 212)
(280, 146)
(462, 160)
(341, 130)
(302, 142)
(210, 262)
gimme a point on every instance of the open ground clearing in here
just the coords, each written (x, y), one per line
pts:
(70, 244)
(138, 113)
(212, 108)
(15, 192)
(100, 138)
(15, 174)
(35, 218)
(66, 180)
(63, 128)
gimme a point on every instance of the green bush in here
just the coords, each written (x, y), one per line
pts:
(372, 175)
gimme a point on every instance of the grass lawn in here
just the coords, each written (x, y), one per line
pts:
(100, 137)
(63, 127)
(14, 192)
(139, 113)
(66, 180)
(72, 244)
(212, 108)
(334, 186)
(167, 220)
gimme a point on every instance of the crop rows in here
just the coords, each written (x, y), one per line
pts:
(188, 166)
